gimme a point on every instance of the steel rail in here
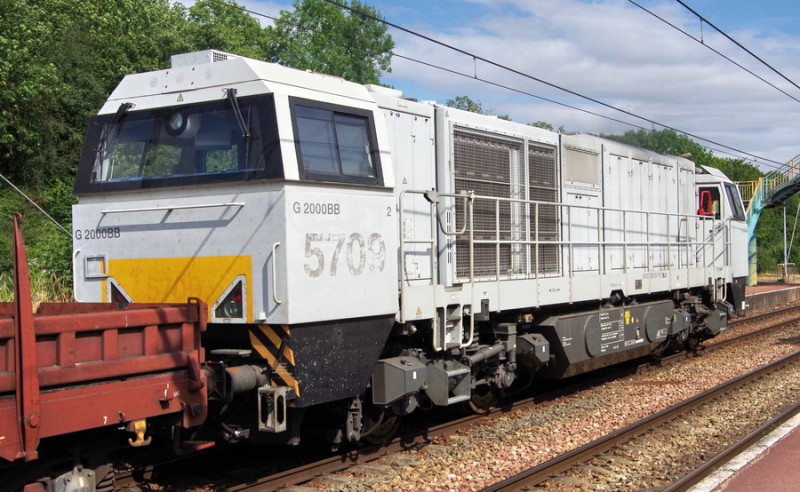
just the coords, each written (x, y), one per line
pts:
(308, 472)
(765, 314)
(710, 466)
(559, 465)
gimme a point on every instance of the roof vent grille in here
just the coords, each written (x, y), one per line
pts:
(200, 57)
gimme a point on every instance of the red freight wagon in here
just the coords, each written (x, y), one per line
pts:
(71, 367)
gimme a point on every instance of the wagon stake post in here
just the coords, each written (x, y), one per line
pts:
(27, 371)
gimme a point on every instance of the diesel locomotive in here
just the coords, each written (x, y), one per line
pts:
(362, 255)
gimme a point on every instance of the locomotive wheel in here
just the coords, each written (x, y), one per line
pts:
(380, 425)
(694, 344)
(482, 399)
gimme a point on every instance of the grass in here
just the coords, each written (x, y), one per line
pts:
(775, 276)
(45, 287)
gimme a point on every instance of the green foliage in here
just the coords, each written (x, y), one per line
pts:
(673, 143)
(737, 169)
(542, 124)
(44, 287)
(9, 204)
(60, 59)
(224, 25)
(49, 248)
(29, 83)
(323, 37)
(769, 236)
(547, 126)
(466, 103)
(666, 142)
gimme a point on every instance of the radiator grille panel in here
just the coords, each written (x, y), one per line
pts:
(487, 166)
(543, 171)
(494, 167)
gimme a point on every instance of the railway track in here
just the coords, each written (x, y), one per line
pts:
(771, 319)
(609, 460)
(737, 333)
(365, 458)
(764, 323)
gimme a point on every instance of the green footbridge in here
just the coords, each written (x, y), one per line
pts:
(773, 190)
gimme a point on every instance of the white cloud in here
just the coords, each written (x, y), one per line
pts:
(614, 52)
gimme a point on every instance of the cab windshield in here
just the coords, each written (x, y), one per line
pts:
(181, 145)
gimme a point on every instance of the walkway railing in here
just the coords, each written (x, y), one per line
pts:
(769, 191)
(757, 194)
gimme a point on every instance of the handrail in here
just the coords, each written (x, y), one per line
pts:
(433, 198)
(171, 208)
(275, 274)
(626, 242)
(747, 189)
(647, 241)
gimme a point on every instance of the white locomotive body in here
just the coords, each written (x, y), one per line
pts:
(363, 249)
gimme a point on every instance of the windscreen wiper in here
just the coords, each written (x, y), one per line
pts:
(231, 92)
(121, 112)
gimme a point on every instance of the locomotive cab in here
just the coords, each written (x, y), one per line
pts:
(264, 191)
(719, 199)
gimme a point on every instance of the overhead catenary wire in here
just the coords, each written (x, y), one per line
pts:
(474, 76)
(552, 101)
(549, 84)
(737, 43)
(702, 42)
(40, 209)
(729, 150)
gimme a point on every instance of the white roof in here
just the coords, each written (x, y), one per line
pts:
(202, 76)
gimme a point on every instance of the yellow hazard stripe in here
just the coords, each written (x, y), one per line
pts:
(276, 340)
(276, 366)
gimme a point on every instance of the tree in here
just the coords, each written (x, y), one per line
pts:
(542, 124)
(666, 142)
(224, 25)
(466, 103)
(29, 83)
(673, 143)
(323, 37)
(59, 59)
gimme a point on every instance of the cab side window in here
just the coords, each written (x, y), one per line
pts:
(709, 202)
(335, 144)
(735, 200)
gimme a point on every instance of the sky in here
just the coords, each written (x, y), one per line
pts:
(613, 52)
